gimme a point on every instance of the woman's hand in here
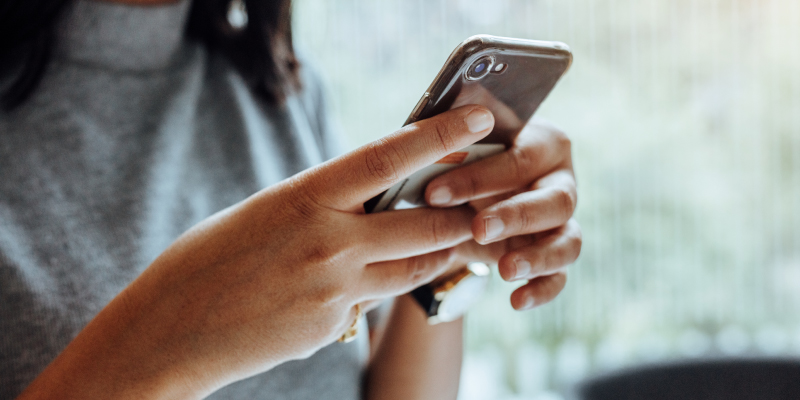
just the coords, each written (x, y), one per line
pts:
(273, 278)
(525, 197)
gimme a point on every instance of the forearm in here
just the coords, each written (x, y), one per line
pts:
(111, 358)
(415, 360)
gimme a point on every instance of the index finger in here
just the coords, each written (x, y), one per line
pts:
(550, 203)
(348, 181)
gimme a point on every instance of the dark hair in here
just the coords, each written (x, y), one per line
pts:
(262, 51)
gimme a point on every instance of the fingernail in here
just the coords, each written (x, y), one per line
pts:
(523, 268)
(528, 303)
(479, 120)
(441, 196)
(492, 227)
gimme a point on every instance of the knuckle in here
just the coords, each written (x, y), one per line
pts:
(323, 253)
(440, 229)
(471, 186)
(537, 259)
(565, 252)
(576, 242)
(323, 245)
(303, 202)
(444, 134)
(329, 295)
(421, 269)
(557, 258)
(415, 271)
(522, 160)
(561, 280)
(565, 201)
(523, 219)
(555, 285)
(384, 161)
(308, 209)
(561, 138)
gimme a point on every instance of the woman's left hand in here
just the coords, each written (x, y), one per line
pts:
(525, 197)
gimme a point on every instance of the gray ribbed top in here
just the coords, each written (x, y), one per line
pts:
(133, 136)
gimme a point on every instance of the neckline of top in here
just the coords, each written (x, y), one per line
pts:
(122, 36)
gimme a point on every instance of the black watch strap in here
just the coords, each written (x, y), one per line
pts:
(424, 297)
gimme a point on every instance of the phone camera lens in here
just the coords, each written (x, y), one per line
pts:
(480, 68)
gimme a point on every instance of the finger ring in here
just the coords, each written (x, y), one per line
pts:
(351, 332)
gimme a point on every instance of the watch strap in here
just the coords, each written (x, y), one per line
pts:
(424, 297)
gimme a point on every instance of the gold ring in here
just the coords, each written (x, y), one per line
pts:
(351, 332)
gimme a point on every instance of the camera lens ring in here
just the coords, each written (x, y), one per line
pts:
(480, 68)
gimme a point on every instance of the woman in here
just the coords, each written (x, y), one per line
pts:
(127, 127)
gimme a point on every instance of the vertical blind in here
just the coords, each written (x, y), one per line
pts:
(685, 122)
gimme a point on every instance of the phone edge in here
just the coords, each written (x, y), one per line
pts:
(479, 43)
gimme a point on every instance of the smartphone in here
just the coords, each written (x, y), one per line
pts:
(511, 77)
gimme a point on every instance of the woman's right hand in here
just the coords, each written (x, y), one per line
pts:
(273, 278)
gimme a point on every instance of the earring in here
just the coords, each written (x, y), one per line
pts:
(237, 15)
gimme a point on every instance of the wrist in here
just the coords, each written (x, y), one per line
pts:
(449, 297)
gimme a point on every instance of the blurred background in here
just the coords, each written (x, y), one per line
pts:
(685, 119)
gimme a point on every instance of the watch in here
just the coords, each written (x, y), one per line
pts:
(449, 298)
